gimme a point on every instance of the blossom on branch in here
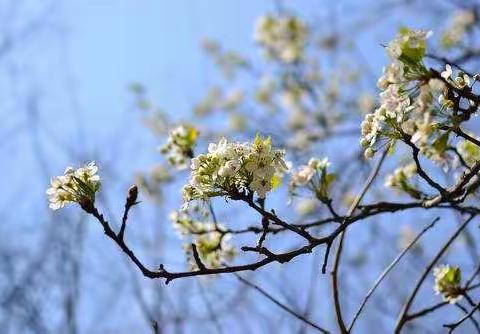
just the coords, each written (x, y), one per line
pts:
(232, 167)
(408, 109)
(210, 239)
(313, 177)
(400, 180)
(461, 22)
(74, 186)
(180, 145)
(283, 37)
(447, 283)
(409, 46)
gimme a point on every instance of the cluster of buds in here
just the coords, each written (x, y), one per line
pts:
(180, 145)
(75, 186)
(409, 46)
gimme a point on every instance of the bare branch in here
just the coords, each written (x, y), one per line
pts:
(281, 305)
(403, 317)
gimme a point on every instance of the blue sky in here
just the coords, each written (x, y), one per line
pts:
(77, 72)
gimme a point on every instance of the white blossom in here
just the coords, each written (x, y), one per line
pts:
(211, 240)
(399, 179)
(392, 74)
(303, 175)
(447, 282)
(180, 145)
(460, 23)
(74, 186)
(313, 176)
(408, 43)
(407, 99)
(447, 73)
(283, 37)
(232, 167)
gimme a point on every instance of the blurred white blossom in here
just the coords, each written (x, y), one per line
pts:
(283, 37)
(180, 145)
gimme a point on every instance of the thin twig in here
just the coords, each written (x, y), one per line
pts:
(281, 305)
(454, 325)
(403, 317)
(388, 269)
(336, 265)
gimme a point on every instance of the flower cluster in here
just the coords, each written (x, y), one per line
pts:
(74, 186)
(400, 180)
(185, 225)
(460, 23)
(211, 241)
(314, 177)
(231, 167)
(284, 37)
(180, 145)
(460, 80)
(406, 100)
(409, 46)
(447, 282)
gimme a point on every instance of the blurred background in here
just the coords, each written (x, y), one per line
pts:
(106, 80)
